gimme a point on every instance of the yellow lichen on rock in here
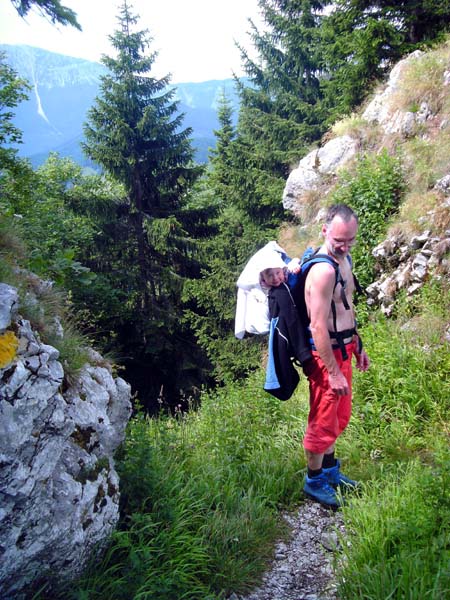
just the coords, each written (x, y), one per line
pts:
(8, 348)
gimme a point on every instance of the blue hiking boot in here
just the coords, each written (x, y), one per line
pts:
(338, 480)
(319, 489)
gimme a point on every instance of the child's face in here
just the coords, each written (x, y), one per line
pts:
(273, 277)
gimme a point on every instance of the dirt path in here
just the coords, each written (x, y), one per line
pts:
(302, 566)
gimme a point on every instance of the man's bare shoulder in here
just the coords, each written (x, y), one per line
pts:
(321, 270)
(320, 275)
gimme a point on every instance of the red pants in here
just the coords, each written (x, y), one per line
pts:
(329, 413)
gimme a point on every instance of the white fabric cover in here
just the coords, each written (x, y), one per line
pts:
(252, 307)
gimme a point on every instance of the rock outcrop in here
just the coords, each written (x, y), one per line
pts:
(382, 110)
(59, 490)
(406, 264)
(323, 161)
(314, 170)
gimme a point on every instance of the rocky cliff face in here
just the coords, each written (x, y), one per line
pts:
(404, 261)
(59, 490)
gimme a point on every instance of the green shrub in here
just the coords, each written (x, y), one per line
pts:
(374, 191)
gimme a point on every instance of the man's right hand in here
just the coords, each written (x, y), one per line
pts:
(338, 384)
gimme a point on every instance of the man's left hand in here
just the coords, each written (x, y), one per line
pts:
(362, 361)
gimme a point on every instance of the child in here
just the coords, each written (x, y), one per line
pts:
(269, 267)
(273, 277)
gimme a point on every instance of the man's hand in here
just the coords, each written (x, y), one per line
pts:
(362, 361)
(338, 384)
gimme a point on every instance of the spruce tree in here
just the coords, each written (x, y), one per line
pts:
(13, 90)
(220, 158)
(232, 237)
(281, 106)
(362, 40)
(134, 131)
(284, 97)
(52, 9)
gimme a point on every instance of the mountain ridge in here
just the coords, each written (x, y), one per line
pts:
(63, 88)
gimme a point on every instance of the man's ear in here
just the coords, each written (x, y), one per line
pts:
(324, 229)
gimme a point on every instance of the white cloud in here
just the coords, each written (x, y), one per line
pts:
(195, 38)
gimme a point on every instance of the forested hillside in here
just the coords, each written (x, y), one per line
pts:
(144, 259)
(149, 252)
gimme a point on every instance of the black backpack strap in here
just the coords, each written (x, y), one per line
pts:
(340, 336)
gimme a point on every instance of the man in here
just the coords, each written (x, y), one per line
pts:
(335, 341)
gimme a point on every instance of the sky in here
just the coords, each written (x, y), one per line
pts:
(195, 39)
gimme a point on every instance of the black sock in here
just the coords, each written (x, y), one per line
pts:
(328, 461)
(314, 472)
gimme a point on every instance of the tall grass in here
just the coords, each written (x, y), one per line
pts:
(201, 494)
(398, 541)
(399, 529)
(402, 404)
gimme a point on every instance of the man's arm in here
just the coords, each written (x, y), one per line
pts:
(320, 285)
(362, 360)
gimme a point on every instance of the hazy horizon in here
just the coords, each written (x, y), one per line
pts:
(195, 41)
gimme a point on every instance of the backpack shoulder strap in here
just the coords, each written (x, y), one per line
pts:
(311, 258)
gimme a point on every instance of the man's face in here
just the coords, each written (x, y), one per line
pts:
(340, 236)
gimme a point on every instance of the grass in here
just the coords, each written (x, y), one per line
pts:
(422, 81)
(201, 494)
(356, 127)
(202, 491)
(397, 544)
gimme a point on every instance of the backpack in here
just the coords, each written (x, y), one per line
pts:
(290, 342)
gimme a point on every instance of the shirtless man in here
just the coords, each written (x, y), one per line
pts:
(329, 373)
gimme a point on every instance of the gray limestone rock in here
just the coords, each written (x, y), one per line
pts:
(59, 490)
(406, 264)
(8, 305)
(313, 167)
(380, 111)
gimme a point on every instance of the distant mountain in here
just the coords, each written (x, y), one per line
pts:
(64, 88)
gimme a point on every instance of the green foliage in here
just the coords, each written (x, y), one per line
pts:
(146, 149)
(13, 90)
(231, 237)
(54, 232)
(374, 191)
(398, 537)
(281, 110)
(362, 40)
(151, 233)
(51, 9)
(211, 300)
